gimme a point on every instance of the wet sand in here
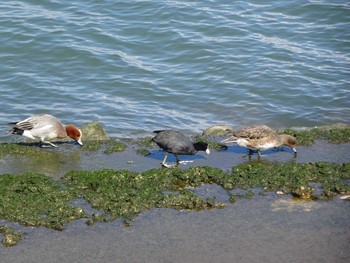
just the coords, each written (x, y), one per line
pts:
(268, 228)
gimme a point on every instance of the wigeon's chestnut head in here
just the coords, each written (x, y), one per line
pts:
(74, 133)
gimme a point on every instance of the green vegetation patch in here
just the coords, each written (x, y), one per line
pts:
(143, 151)
(10, 237)
(145, 142)
(36, 151)
(294, 178)
(308, 137)
(114, 145)
(93, 146)
(36, 200)
(32, 149)
(125, 194)
(235, 196)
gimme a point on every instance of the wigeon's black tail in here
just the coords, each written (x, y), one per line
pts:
(17, 131)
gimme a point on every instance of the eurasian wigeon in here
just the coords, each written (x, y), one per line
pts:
(259, 138)
(175, 142)
(45, 127)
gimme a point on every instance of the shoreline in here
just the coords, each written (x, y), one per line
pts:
(69, 163)
(271, 227)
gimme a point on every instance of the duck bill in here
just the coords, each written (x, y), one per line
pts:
(207, 151)
(79, 141)
(294, 150)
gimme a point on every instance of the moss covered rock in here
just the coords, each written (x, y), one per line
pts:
(94, 131)
(218, 130)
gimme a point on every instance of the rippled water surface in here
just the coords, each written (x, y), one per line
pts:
(137, 66)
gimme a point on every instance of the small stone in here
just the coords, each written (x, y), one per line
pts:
(218, 130)
(94, 131)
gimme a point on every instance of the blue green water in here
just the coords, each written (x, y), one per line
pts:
(137, 66)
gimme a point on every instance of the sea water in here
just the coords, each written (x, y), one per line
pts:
(137, 66)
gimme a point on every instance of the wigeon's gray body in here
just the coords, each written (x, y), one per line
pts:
(260, 138)
(45, 127)
(176, 142)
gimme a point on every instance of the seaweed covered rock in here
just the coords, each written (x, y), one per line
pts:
(218, 130)
(94, 131)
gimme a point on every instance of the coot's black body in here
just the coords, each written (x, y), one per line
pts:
(176, 142)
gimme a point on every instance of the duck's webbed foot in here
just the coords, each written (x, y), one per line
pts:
(45, 144)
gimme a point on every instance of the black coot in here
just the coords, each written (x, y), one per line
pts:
(176, 142)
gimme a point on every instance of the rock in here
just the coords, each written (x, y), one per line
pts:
(218, 130)
(94, 131)
(338, 125)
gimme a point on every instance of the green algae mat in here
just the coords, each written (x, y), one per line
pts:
(37, 200)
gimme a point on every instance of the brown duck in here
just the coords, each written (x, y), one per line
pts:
(259, 138)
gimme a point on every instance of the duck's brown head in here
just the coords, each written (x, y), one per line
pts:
(289, 141)
(74, 133)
